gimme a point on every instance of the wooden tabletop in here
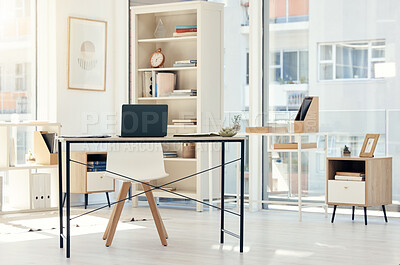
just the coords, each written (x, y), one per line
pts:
(358, 158)
(154, 139)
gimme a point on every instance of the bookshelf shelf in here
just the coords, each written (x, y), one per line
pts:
(206, 77)
(181, 126)
(27, 166)
(166, 98)
(167, 69)
(180, 159)
(171, 39)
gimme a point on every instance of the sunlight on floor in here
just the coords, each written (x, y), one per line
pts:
(19, 230)
(293, 253)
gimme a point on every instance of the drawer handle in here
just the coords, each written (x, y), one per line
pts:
(101, 176)
(346, 188)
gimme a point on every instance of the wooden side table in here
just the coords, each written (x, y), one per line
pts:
(375, 190)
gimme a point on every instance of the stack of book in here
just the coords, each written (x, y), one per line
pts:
(185, 30)
(170, 154)
(168, 188)
(94, 166)
(352, 176)
(185, 63)
(185, 122)
(184, 92)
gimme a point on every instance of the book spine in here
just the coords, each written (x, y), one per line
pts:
(184, 65)
(186, 27)
(95, 169)
(97, 163)
(185, 30)
(187, 61)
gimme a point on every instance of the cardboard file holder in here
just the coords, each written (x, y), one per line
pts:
(42, 152)
(307, 118)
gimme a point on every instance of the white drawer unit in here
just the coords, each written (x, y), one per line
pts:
(374, 190)
(97, 182)
(88, 176)
(346, 192)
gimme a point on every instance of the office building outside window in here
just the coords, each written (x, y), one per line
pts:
(17, 59)
(350, 60)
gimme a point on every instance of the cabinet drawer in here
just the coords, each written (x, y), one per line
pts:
(97, 181)
(349, 192)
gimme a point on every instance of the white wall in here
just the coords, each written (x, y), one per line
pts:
(341, 20)
(79, 111)
(82, 111)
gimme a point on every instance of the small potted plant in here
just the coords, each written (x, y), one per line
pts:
(233, 130)
(346, 151)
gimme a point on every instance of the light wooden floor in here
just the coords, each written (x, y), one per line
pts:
(272, 237)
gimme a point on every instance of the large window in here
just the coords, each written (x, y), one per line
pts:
(352, 67)
(17, 59)
(350, 60)
(289, 67)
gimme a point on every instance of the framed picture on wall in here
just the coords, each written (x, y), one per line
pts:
(87, 54)
(369, 145)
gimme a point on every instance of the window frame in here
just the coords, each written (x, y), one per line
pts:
(280, 66)
(333, 60)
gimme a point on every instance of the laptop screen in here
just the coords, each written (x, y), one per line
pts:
(141, 120)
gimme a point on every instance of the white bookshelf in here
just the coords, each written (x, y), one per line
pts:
(206, 77)
(18, 192)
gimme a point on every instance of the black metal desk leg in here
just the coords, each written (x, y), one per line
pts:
(384, 213)
(60, 193)
(222, 190)
(68, 193)
(241, 195)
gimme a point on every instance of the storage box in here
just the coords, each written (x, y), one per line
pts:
(307, 118)
(294, 146)
(43, 155)
(40, 190)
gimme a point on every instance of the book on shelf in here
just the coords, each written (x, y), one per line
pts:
(168, 188)
(186, 30)
(170, 154)
(349, 178)
(96, 163)
(187, 61)
(165, 84)
(184, 92)
(185, 122)
(184, 65)
(184, 34)
(96, 169)
(185, 27)
(354, 174)
(147, 89)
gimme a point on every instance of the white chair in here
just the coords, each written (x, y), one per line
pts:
(143, 162)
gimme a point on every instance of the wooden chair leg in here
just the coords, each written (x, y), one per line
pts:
(110, 221)
(117, 214)
(156, 214)
(162, 224)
